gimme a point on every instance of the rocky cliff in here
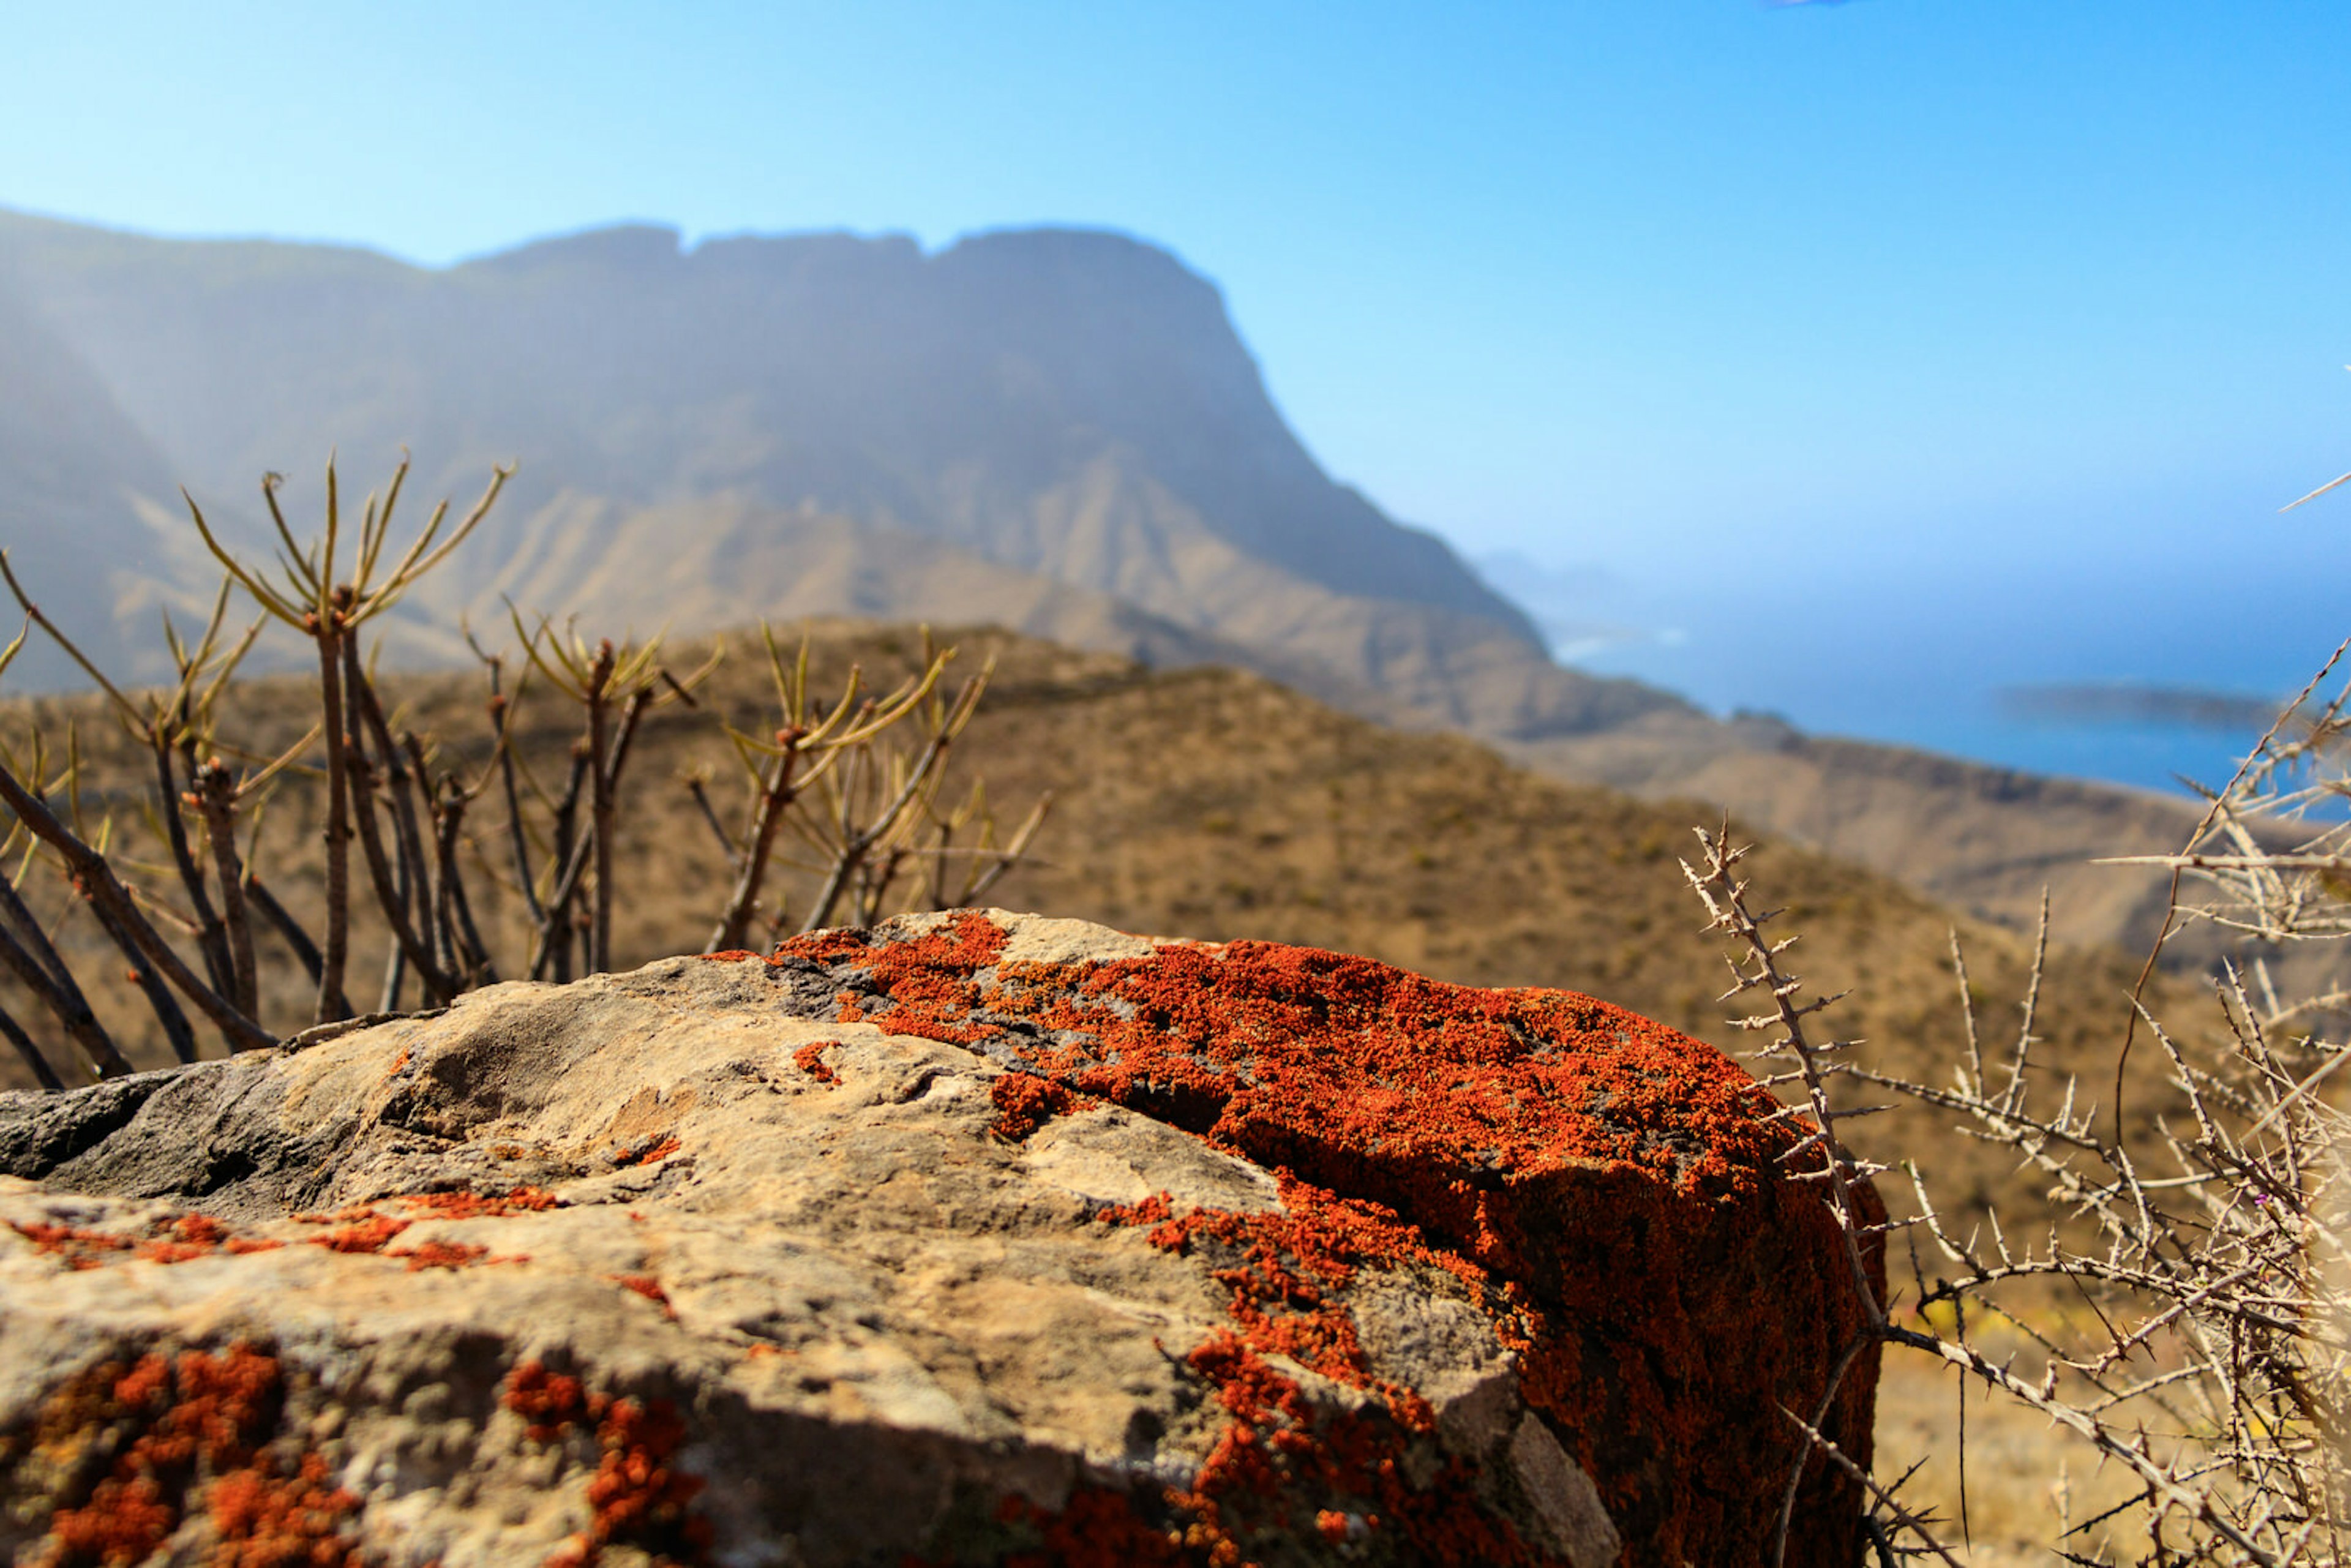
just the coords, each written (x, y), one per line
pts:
(1073, 406)
(1059, 432)
(80, 486)
(974, 1239)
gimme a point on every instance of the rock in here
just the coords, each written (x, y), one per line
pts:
(974, 1238)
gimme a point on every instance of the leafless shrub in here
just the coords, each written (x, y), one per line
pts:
(614, 688)
(870, 807)
(409, 799)
(2207, 1237)
(310, 595)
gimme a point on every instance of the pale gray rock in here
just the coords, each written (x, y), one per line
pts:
(877, 1319)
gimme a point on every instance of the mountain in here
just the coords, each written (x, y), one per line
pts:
(1072, 404)
(80, 486)
(1058, 430)
(1989, 841)
(948, 392)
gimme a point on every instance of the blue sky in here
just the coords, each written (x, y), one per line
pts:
(1851, 359)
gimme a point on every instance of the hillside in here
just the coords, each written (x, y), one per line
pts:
(1211, 803)
(1982, 839)
(78, 485)
(957, 393)
(1054, 431)
(1074, 405)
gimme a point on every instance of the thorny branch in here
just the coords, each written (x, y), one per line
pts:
(2210, 1252)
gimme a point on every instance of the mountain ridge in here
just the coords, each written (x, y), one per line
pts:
(79, 483)
(618, 362)
(1057, 429)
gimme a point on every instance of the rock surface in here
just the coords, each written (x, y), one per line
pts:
(973, 1239)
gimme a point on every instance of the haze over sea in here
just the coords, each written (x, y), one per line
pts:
(1856, 363)
(2130, 676)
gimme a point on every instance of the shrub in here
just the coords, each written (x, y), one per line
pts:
(2205, 1218)
(856, 786)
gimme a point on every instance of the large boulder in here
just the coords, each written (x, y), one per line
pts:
(974, 1239)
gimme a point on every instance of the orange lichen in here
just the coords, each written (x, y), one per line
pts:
(923, 979)
(443, 1255)
(482, 1206)
(371, 1234)
(548, 1401)
(456, 1205)
(1608, 1189)
(639, 1498)
(268, 1522)
(189, 1431)
(79, 1249)
(174, 1251)
(648, 1286)
(1285, 1268)
(1284, 1271)
(367, 1230)
(649, 1154)
(360, 1231)
(171, 1240)
(199, 1230)
(731, 955)
(1025, 1102)
(809, 1058)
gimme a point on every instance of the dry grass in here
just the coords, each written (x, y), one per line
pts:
(1205, 804)
(1213, 804)
(2203, 1226)
(2026, 1483)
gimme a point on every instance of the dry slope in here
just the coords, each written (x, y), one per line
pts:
(1213, 804)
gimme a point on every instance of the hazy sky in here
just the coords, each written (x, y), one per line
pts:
(1821, 334)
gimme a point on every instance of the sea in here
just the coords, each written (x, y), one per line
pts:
(2161, 682)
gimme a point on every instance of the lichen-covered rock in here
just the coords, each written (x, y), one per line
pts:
(977, 1238)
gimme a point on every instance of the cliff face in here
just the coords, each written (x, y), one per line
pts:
(948, 393)
(1059, 432)
(1070, 406)
(74, 473)
(977, 1238)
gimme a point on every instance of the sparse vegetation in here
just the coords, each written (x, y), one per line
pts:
(183, 855)
(2180, 1321)
(601, 810)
